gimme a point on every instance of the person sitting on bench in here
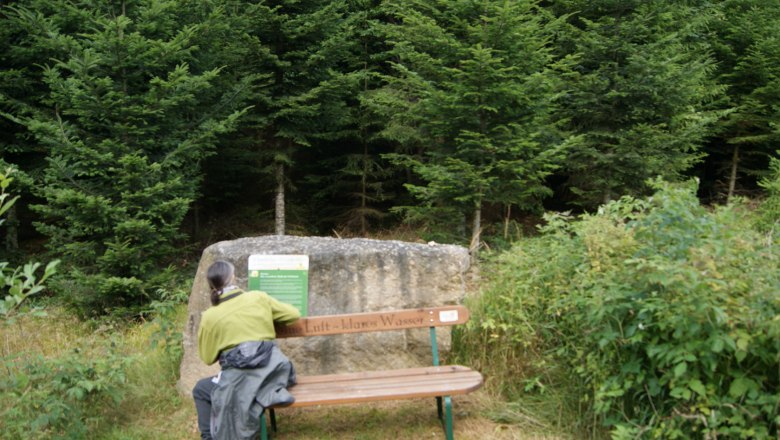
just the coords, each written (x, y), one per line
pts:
(238, 331)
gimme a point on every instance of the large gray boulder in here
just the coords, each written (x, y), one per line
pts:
(345, 276)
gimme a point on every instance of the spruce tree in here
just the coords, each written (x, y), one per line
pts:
(23, 46)
(304, 43)
(639, 94)
(474, 89)
(234, 178)
(745, 42)
(351, 183)
(127, 124)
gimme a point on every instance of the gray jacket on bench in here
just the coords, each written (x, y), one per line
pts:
(242, 394)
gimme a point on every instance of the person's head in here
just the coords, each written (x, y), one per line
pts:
(219, 275)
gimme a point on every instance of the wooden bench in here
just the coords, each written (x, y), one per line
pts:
(436, 381)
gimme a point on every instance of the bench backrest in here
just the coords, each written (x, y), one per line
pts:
(429, 317)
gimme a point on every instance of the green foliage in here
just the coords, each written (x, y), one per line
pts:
(168, 334)
(23, 46)
(126, 123)
(143, 119)
(663, 314)
(351, 187)
(59, 397)
(20, 283)
(474, 86)
(305, 48)
(745, 43)
(640, 95)
(17, 283)
(769, 211)
(65, 378)
(5, 202)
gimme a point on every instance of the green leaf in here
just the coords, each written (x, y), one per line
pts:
(76, 393)
(717, 345)
(743, 342)
(741, 385)
(680, 369)
(680, 393)
(6, 205)
(697, 387)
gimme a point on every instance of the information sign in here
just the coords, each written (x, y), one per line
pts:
(284, 277)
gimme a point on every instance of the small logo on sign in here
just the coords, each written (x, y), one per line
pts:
(448, 316)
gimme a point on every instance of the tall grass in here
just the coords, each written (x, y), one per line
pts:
(64, 378)
(529, 388)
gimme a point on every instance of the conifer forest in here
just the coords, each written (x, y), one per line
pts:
(136, 127)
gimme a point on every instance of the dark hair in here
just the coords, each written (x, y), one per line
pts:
(220, 273)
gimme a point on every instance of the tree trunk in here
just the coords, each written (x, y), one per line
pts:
(733, 176)
(506, 221)
(196, 220)
(364, 177)
(607, 197)
(12, 230)
(476, 230)
(279, 207)
(364, 192)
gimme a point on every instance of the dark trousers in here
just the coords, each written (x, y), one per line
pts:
(202, 395)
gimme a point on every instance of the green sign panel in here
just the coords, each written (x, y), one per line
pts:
(284, 277)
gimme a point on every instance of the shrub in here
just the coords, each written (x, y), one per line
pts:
(66, 378)
(17, 283)
(664, 314)
(59, 397)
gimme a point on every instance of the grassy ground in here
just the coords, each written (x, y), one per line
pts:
(151, 408)
(410, 419)
(394, 420)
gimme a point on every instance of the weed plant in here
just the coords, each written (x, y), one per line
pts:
(653, 318)
(70, 379)
(56, 379)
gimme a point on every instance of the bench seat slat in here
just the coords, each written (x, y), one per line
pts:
(377, 384)
(385, 385)
(384, 392)
(400, 373)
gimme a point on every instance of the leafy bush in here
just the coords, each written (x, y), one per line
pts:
(59, 397)
(66, 378)
(102, 296)
(167, 334)
(17, 283)
(70, 395)
(664, 315)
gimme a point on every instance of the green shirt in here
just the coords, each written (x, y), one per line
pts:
(246, 317)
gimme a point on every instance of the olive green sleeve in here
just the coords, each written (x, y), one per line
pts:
(283, 312)
(207, 350)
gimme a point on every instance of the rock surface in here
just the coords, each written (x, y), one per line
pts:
(345, 276)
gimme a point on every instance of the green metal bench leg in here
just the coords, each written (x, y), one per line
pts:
(439, 408)
(447, 421)
(263, 428)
